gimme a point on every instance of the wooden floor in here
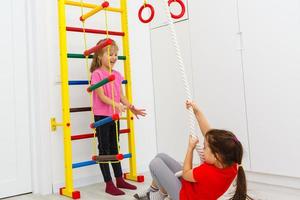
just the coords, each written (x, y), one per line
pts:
(96, 192)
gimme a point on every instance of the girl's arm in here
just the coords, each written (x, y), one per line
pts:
(201, 119)
(187, 173)
(124, 100)
(108, 101)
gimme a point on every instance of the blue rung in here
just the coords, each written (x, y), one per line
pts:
(79, 82)
(102, 121)
(128, 155)
(83, 82)
(83, 164)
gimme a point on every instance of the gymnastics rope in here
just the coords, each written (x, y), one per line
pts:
(181, 68)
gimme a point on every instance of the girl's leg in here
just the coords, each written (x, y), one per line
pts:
(121, 183)
(103, 135)
(114, 148)
(173, 164)
(163, 174)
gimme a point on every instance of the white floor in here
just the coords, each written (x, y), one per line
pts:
(96, 192)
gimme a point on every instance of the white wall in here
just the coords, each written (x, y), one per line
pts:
(271, 45)
(44, 49)
(244, 76)
(15, 121)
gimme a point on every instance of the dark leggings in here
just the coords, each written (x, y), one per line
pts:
(107, 145)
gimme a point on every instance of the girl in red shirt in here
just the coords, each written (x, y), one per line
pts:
(223, 154)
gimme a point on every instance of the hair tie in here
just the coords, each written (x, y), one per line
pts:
(235, 139)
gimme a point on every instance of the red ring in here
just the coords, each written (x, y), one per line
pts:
(182, 8)
(151, 15)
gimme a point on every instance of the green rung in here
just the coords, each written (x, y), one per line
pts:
(121, 57)
(78, 55)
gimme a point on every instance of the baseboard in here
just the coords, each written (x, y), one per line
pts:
(275, 180)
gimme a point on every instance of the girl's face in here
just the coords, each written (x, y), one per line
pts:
(209, 157)
(109, 61)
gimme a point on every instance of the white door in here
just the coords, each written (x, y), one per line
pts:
(271, 40)
(15, 173)
(217, 68)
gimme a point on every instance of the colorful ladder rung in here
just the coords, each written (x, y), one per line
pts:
(101, 83)
(103, 158)
(121, 57)
(79, 82)
(95, 48)
(88, 30)
(104, 121)
(124, 131)
(80, 109)
(82, 136)
(78, 55)
(89, 5)
(84, 82)
(104, 5)
(83, 164)
(128, 155)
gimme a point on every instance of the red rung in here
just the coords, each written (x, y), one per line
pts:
(95, 48)
(82, 136)
(87, 30)
(124, 131)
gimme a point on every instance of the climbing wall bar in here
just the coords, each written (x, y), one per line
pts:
(68, 190)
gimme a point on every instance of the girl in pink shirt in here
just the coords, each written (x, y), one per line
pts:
(108, 100)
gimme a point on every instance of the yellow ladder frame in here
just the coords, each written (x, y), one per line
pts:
(68, 190)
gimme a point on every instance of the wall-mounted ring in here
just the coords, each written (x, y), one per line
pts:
(151, 13)
(182, 8)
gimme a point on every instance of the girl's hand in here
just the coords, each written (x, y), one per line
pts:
(137, 111)
(193, 141)
(191, 104)
(120, 108)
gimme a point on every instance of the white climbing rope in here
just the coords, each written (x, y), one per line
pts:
(182, 70)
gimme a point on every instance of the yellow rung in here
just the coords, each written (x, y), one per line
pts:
(89, 5)
(91, 13)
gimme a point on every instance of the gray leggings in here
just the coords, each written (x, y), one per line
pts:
(163, 169)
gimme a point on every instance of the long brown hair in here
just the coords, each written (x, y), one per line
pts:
(229, 150)
(96, 63)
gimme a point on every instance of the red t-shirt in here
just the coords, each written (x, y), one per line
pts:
(211, 182)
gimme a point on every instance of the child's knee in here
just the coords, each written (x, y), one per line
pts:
(161, 155)
(154, 164)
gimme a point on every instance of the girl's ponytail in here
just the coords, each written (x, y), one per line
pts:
(241, 186)
(229, 149)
